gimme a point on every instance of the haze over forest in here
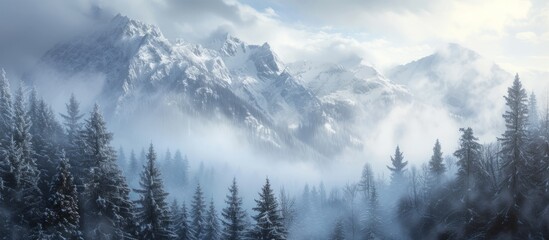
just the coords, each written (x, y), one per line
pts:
(274, 119)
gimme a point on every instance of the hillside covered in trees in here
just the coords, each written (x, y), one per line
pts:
(61, 178)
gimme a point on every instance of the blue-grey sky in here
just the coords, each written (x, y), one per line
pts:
(513, 33)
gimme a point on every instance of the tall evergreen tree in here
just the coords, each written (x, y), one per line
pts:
(175, 212)
(73, 127)
(181, 222)
(47, 135)
(212, 229)
(372, 221)
(339, 232)
(152, 212)
(62, 216)
(72, 123)
(234, 216)
(468, 154)
(269, 224)
(398, 167)
(198, 208)
(514, 142)
(436, 165)
(21, 179)
(6, 112)
(107, 210)
(366, 180)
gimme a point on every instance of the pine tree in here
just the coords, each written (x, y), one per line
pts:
(63, 218)
(338, 233)
(73, 127)
(174, 215)
(182, 228)
(366, 180)
(234, 216)
(6, 112)
(21, 179)
(46, 138)
(397, 168)
(269, 224)
(198, 208)
(212, 229)
(436, 165)
(107, 210)
(373, 221)
(468, 155)
(72, 118)
(152, 212)
(514, 141)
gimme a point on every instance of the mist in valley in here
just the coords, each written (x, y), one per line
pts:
(119, 118)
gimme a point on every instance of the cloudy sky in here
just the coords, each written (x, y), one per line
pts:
(513, 33)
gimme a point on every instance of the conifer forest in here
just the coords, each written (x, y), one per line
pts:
(274, 120)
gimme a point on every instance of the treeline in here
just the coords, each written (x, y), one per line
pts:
(64, 180)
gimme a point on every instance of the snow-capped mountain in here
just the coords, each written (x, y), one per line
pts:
(303, 105)
(457, 79)
(262, 79)
(248, 85)
(144, 72)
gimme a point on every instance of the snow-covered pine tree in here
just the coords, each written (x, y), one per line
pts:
(6, 130)
(46, 134)
(436, 165)
(73, 126)
(269, 225)
(468, 155)
(212, 230)
(6, 112)
(397, 167)
(174, 215)
(338, 232)
(24, 196)
(234, 216)
(198, 209)
(106, 207)
(62, 216)
(72, 119)
(153, 215)
(182, 228)
(514, 145)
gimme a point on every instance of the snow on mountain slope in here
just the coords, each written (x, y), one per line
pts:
(351, 90)
(316, 108)
(145, 73)
(260, 77)
(460, 80)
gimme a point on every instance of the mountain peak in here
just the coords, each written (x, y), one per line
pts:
(124, 26)
(457, 51)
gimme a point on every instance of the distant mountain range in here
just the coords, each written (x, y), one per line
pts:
(312, 107)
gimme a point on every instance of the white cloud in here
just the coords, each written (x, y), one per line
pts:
(527, 36)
